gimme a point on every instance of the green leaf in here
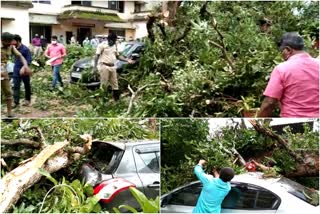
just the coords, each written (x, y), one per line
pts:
(131, 209)
(48, 176)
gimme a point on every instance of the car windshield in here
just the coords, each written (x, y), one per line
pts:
(306, 194)
(126, 50)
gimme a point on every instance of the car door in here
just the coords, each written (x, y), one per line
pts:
(147, 162)
(249, 198)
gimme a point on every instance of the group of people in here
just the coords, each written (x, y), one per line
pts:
(11, 45)
(93, 42)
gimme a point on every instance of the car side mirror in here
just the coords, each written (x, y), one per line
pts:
(135, 56)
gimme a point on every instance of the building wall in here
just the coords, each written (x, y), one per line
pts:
(53, 8)
(18, 26)
(128, 10)
(130, 33)
(141, 29)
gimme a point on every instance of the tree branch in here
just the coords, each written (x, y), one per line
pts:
(14, 154)
(134, 95)
(222, 45)
(37, 129)
(22, 141)
(280, 141)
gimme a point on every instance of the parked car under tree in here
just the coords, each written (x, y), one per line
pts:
(82, 70)
(250, 193)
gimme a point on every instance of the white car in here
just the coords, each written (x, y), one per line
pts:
(250, 193)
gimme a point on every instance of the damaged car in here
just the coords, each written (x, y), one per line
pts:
(250, 193)
(113, 167)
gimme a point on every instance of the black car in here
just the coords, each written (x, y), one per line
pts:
(82, 70)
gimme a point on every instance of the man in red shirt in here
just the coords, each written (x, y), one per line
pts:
(294, 83)
(56, 51)
(36, 43)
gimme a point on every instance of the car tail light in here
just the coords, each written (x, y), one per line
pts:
(107, 190)
(251, 167)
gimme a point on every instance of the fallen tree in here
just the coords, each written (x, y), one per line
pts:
(236, 145)
(51, 158)
(31, 147)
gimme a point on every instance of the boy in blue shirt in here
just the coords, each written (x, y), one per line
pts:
(214, 189)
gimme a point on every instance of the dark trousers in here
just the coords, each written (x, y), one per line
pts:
(16, 88)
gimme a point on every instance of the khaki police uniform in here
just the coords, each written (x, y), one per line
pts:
(106, 65)
(5, 82)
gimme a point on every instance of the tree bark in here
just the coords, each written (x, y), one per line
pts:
(14, 183)
(51, 158)
(22, 141)
(172, 8)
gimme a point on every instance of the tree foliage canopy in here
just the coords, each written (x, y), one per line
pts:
(185, 142)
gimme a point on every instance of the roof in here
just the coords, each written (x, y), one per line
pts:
(97, 16)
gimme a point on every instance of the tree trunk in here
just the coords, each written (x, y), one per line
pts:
(52, 158)
(172, 8)
(14, 183)
(309, 169)
(307, 162)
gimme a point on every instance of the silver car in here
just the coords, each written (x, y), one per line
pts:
(250, 193)
(137, 162)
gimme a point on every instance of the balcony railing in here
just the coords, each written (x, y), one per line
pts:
(87, 9)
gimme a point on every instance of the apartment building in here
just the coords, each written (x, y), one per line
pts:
(79, 18)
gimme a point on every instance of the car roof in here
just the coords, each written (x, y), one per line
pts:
(255, 178)
(122, 144)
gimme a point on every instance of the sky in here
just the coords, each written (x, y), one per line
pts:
(218, 123)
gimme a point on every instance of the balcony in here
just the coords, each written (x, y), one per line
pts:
(87, 9)
(88, 15)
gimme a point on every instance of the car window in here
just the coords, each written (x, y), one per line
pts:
(104, 157)
(150, 161)
(138, 49)
(250, 197)
(187, 196)
(126, 50)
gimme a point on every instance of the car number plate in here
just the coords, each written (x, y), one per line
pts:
(76, 75)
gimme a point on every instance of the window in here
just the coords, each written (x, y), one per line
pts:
(113, 5)
(244, 196)
(104, 157)
(241, 196)
(151, 161)
(118, 32)
(137, 7)
(187, 196)
(42, 2)
(83, 3)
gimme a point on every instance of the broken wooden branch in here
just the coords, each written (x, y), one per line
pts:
(134, 95)
(7, 154)
(37, 129)
(51, 158)
(24, 176)
(22, 141)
